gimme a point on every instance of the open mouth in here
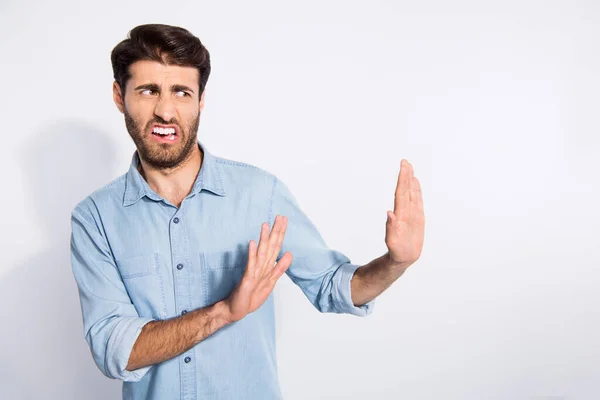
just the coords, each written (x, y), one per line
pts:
(165, 134)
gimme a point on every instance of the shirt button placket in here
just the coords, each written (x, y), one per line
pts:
(182, 277)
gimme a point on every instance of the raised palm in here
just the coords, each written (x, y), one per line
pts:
(261, 272)
(405, 227)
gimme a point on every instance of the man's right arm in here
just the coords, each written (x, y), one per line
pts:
(125, 345)
(162, 340)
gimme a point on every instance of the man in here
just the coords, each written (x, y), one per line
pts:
(174, 275)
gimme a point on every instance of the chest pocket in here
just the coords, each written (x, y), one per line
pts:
(221, 272)
(143, 282)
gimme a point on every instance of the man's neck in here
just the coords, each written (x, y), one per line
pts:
(173, 184)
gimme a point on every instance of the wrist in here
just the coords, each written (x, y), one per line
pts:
(211, 319)
(391, 263)
(221, 313)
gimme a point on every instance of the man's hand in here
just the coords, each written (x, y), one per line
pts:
(404, 234)
(405, 227)
(261, 273)
(162, 340)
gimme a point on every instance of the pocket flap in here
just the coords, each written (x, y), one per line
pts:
(133, 267)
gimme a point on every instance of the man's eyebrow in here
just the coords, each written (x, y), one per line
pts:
(154, 87)
(148, 86)
(179, 88)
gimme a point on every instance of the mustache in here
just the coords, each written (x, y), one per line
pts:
(159, 120)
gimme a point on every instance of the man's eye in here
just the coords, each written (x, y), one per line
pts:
(148, 92)
(181, 93)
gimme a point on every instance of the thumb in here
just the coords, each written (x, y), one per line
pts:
(390, 217)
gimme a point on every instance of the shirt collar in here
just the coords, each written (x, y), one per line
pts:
(209, 179)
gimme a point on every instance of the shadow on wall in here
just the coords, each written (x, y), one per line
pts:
(44, 353)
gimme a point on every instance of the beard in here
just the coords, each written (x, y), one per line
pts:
(163, 155)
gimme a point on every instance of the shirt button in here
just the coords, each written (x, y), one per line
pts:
(176, 220)
(184, 312)
(179, 266)
(187, 360)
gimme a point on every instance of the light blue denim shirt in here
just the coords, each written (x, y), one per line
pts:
(137, 258)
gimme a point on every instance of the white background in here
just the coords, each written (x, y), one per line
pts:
(495, 104)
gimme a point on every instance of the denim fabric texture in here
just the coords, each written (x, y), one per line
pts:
(137, 258)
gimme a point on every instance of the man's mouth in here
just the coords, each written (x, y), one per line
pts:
(164, 133)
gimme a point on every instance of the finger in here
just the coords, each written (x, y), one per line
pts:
(262, 245)
(282, 265)
(281, 229)
(391, 218)
(266, 262)
(275, 240)
(251, 266)
(282, 237)
(274, 236)
(411, 193)
(419, 195)
(411, 175)
(401, 198)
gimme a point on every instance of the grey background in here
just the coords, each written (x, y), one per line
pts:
(495, 104)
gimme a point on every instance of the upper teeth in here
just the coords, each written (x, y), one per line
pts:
(164, 131)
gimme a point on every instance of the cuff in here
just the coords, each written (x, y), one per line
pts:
(119, 347)
(342, 293)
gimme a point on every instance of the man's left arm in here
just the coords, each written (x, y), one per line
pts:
(326, 276)
(404, 235)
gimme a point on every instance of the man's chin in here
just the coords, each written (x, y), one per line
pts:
(162, 163)
(164, 156)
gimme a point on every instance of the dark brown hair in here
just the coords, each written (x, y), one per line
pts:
(163, 43)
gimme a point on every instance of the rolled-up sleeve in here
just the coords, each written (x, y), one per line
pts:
(110, 321)
(323, 274)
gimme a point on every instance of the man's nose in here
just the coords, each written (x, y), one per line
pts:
(165, 108)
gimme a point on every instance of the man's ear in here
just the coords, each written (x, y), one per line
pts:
(118, 97)
(202, 100)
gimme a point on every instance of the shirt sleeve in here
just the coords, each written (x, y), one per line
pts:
(323, 274)
(110, 321)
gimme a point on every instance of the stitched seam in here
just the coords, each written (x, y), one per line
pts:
(160, 281)
(269, 214)
(236, 163)
(220, 179)
(222, 268)
(102, 230)
(111, 184)
(85, 216)
(204, 276)
(108, 337)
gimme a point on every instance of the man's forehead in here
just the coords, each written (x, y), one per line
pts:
(155, 72)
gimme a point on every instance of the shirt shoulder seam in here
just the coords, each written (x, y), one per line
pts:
(271, 201)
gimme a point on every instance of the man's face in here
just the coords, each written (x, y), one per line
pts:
(162, 111)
